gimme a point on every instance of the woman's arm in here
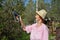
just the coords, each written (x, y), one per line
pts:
(27, 28)
(22, 24)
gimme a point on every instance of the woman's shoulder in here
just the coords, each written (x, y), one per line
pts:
(45, 26)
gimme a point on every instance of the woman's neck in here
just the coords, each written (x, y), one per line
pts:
(39, 23)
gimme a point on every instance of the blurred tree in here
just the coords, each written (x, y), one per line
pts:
(55, 9)
(53, 13)
(41, 4)
(9, 29)
(29, 12)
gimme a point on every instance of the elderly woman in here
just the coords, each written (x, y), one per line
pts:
(38, 30)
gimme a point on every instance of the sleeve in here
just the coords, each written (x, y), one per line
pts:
(28, 28)
(46, 34)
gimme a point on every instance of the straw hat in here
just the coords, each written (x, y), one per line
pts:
(42, 13)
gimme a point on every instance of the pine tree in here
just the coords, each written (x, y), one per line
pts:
(41, 4)
(9, 29)
(55, 9)
(29, 12)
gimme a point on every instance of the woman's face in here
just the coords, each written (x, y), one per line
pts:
(38, 18)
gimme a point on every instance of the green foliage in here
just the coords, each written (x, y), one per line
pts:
(9, 29)
(54, 9)
(41, 4)
(29, 13)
